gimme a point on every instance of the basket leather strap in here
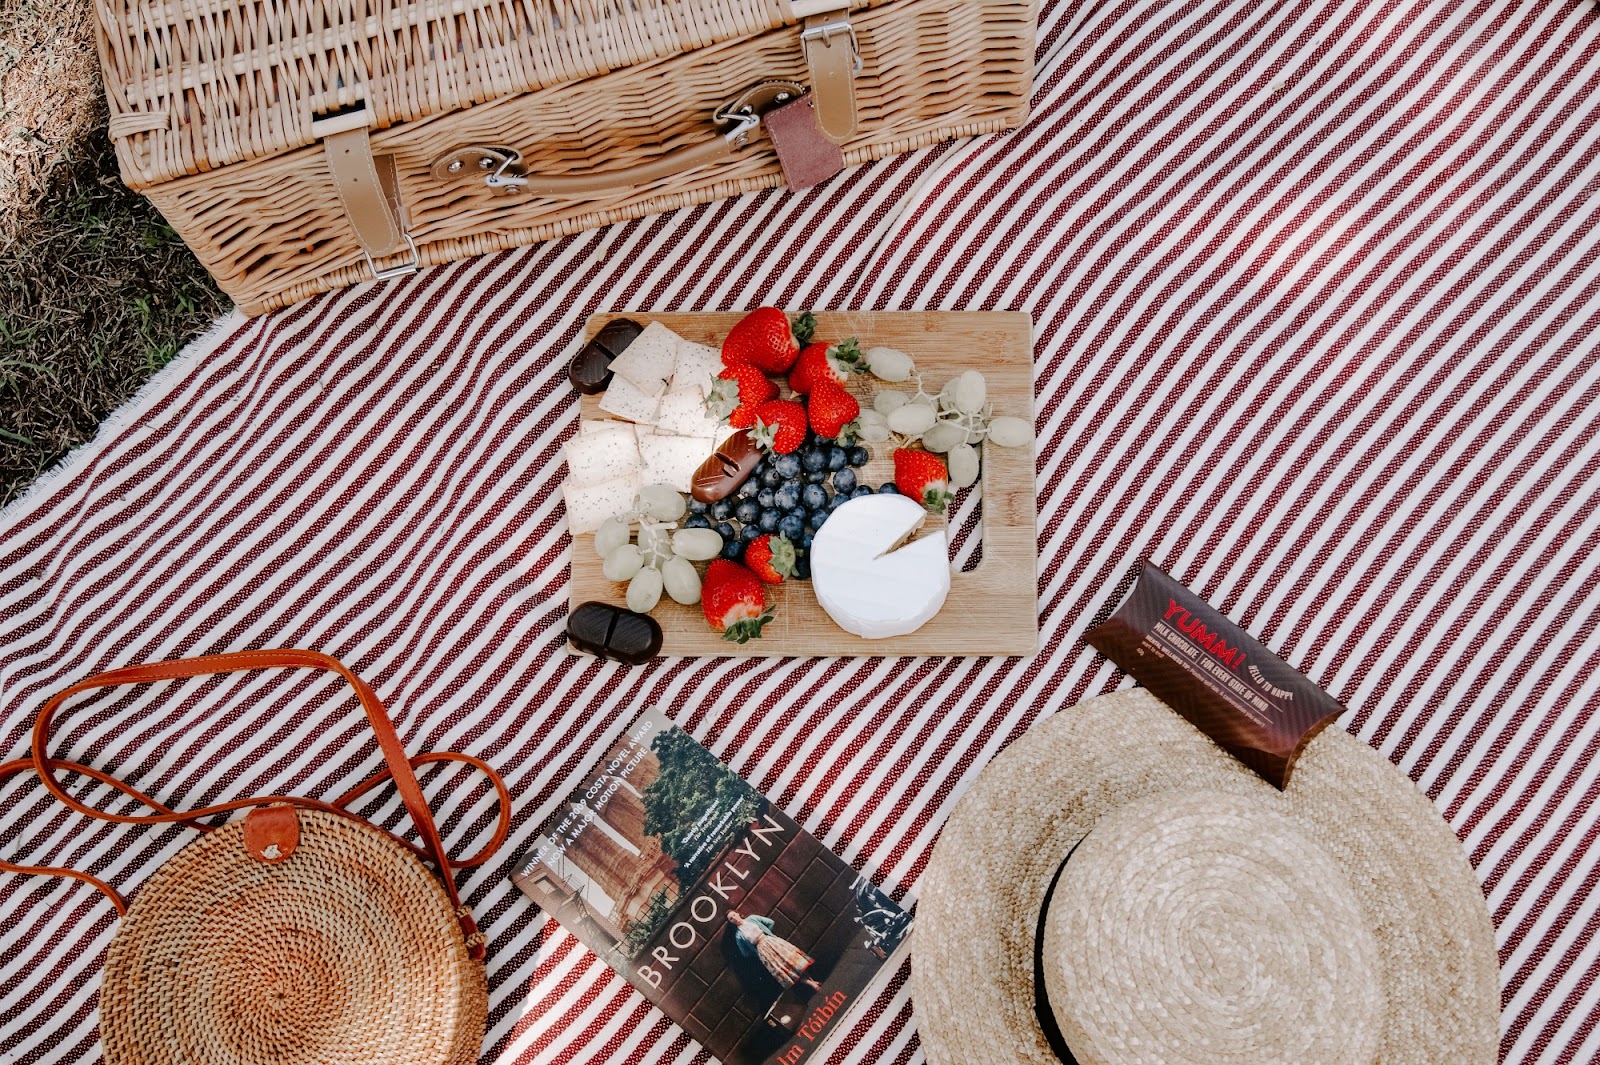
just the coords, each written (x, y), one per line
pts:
(369, 190)
(832, 61)
(398, 767)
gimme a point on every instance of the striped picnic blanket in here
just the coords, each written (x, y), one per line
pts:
(1315, 287)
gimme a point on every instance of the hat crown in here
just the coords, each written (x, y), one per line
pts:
(1207, 927)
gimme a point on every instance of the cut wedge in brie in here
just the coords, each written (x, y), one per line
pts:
(868, 579)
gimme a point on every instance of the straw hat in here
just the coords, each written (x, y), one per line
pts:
(1203, 916)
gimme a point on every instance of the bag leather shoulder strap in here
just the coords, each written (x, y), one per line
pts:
(398, 767)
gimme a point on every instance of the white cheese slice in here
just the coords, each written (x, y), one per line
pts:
(625, 400)
(601, 455)
(648, 362)
(683, 413)
(673, 460)
(697, 365)
(588, 507)
(869, 584)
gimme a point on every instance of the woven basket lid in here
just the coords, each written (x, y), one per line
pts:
(1202, 916)
(348, 951)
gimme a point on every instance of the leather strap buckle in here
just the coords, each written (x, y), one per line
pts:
(833, 61)
(826, 31)
(400, 270)
(369, 188)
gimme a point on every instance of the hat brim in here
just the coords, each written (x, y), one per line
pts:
(978, 907)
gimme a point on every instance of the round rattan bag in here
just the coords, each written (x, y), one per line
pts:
(300, 934)
(347, 951)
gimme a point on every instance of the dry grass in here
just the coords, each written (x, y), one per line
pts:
(96, 291)
(49, 100)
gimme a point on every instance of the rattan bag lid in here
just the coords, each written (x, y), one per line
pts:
(348, 951)
(1178, 909)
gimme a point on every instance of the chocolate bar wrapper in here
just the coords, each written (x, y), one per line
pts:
(1219, 677)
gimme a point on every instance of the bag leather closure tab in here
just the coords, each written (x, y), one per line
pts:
(271, 833)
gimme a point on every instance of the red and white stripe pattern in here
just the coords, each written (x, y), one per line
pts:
(1315, 290)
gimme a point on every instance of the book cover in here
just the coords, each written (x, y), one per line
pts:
(715, 904)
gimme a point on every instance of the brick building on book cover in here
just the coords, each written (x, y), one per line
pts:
(614, 855)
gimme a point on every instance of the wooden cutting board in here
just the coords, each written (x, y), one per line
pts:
(991, 610)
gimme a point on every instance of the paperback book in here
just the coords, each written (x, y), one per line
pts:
(717, 906)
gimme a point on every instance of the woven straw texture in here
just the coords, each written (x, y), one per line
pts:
(197, 85)
(1315, 286)
(274, 231)
(348, 951)
(1367, 876)
(1209, 929)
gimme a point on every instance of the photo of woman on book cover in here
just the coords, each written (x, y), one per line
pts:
(757, 938)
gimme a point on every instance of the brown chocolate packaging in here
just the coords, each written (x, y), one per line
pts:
(1219, 677)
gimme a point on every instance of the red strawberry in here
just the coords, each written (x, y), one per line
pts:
(833, 411)
(921, 475)
(780, 426)
(736, 394)
(822, 362)
(763, 339)
(770, 558)
(733, 601)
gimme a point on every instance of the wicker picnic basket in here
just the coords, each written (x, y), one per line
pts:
(304, 145)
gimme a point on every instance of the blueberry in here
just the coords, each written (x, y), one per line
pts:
(696, 507)
(802, 568)
(844, 481)
(792, 527)
(859, 456)
(838, 458)
(747, 511)
(771, 478)
(815, 476)
(799, 511)
(805, 540)
(749, 489)
(817, 518)
(888, 489)
(786, 498)
(768, 522)
(696, 521)
(760, 467)
(764, 498)
(838, 501)
(787, 465)
(721, 510)
(725, 531)
(814, 496)
(862, 490)
(813, 460)
(748, 533)
(732, 549)
(823, 442)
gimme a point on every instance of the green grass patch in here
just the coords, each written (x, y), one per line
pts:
(97, 293)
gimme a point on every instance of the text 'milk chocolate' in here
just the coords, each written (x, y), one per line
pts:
(1253, 703)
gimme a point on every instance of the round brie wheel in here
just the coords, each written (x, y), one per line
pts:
(869, 581)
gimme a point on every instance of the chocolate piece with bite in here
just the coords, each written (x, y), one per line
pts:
(720, 475)
(590, 369)
(614, 632)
